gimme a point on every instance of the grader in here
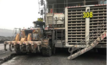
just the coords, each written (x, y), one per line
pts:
(30, 40)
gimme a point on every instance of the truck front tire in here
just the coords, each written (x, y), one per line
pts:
(46, 52)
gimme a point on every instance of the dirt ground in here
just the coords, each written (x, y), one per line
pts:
(60, 58)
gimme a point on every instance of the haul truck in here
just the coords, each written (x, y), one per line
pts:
(79, 28)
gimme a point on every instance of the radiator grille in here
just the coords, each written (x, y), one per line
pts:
(98, 22)
(76, 25)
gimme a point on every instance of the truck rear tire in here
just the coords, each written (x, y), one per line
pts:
(46, 52)
(17, 49)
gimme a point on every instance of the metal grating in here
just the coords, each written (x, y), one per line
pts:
(76, 26)
(98, 22)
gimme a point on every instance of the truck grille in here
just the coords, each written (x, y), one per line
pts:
(98, 22)
(76, 25)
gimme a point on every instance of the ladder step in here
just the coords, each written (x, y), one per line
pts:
(93, 44)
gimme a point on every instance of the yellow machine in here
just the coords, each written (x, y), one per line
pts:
(30, 41)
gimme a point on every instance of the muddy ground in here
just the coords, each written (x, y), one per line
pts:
(60, 58)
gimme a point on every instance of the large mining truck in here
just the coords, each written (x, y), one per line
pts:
(31, 40)
(79, 28)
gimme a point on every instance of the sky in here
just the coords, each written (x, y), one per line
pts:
(18, 13)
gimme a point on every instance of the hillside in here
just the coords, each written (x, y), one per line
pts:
(6, 32)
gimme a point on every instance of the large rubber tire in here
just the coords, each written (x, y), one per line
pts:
(52, 47)
(17, 49)
(46, 52)
(53, 50)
